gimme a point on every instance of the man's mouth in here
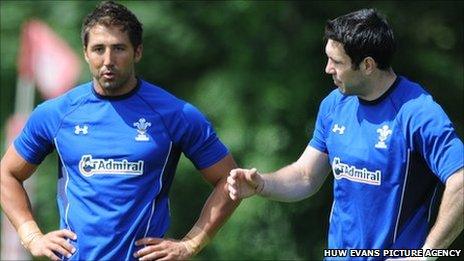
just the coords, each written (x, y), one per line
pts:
(108, 75)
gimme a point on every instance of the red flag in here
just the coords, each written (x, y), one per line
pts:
(47, 60)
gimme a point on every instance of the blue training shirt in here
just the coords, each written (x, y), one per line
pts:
(117, 159)
(388, 158)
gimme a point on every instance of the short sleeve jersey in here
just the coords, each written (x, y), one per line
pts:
(388, 158)
(117, 159)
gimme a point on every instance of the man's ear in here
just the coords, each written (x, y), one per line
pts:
(138, 53)
(85, 54)
(368, 65)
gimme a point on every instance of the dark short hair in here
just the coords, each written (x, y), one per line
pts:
(363, 33)
(109, 13)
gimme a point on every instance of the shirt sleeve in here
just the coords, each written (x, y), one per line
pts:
(435, 138)
(197, 138)
(318, 140)
(35, 141)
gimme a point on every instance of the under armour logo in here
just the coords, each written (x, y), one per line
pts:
(339, 129)
(78, 129)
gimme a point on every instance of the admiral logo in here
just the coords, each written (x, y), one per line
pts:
(89, 167)
(342, 170)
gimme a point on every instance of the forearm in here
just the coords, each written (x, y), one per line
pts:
(16, 205)
(450, 219)
(287, 184)
(14, 200)
(217, 209)
(14, 170)
(298, 180)
(294, 182)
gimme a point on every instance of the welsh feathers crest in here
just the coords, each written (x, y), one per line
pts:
(142, 125)
(383, 132)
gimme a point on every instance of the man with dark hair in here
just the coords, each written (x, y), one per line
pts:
(390, 146)
(118, 139)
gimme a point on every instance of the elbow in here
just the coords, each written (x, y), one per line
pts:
(455, 183)
(304, 190)
(311, 185)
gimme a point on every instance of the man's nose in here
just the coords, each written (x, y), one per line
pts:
(329, 68)
(108, 57)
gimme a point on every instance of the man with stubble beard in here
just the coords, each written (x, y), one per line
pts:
(118, 139)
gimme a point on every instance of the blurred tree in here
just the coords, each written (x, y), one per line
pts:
(256, 69)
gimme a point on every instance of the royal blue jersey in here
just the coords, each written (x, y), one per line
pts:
(117, 159)
(388, 158)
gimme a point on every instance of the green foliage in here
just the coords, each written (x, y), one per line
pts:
(256, 69)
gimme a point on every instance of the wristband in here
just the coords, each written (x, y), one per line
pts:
(28, 232)
(195, 240)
